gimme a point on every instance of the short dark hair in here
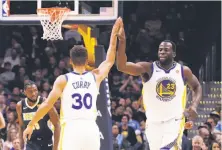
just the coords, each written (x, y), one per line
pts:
(78, 55)
(127, 116)
(28, 83)
(173, 44)
(209, 125)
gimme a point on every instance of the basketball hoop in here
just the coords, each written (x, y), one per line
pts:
(51, 20)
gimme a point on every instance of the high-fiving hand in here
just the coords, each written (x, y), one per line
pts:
(121, 34)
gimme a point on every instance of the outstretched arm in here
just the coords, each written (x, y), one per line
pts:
(195, 86)
(134, 69)
(102, 71)
(54, 118)
(19, 114)
(44, 108)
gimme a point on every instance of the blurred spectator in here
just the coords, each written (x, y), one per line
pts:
(216, 146)
(11, 119)
(212, 122)
(117, 138)
(116, 85)
(138, 113)
(12, 134)
(14, 59)
(117, 115)
(197, 143)
(62, 66)
(205, 135)
(215, 115)
(46, 86)
(7, 75)
(16, 144)
(3, 104)
(132, 123)
(129, 136)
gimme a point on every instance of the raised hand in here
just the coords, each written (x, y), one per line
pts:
(121, 34)
(116, 26)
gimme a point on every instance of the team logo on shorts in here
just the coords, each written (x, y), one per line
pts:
(165, 89)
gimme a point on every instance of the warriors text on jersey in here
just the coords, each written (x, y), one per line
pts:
(79, 97)
(164, 95)
(41, 129)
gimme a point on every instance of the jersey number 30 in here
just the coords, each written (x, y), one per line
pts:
(85, 101)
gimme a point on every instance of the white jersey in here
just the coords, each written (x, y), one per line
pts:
(79, 97)
(164, 94)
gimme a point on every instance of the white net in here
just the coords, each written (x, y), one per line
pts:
(51, 20)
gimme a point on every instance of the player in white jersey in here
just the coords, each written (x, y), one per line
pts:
(78, 91)
(164, 94)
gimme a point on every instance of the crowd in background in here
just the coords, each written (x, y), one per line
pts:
(26, 57)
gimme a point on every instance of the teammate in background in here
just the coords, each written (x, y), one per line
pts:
(78, 91)
(41, 138)
(164, 93)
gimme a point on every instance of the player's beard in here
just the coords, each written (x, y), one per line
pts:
(166, 62)
(32, 101)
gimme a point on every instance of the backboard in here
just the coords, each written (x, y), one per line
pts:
(82, 11)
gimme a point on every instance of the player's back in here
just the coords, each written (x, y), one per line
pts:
(79, 97)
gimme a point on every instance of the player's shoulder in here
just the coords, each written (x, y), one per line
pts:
(61, 80)
(19, 105)
(20, 102)
(187, 71)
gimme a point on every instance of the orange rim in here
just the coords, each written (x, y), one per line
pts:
(71, 26)
(53, 12)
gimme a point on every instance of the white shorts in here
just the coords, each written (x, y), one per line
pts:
(165, 135)
(79, 135)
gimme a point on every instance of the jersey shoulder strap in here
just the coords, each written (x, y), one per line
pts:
(41, 99)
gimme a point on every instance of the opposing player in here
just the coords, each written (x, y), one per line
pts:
(41, 138)
(164, 93)
(78, 91)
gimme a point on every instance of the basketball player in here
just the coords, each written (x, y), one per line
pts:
(78, 91)
(41, 138)
(164, 93)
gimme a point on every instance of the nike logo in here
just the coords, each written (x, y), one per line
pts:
(49, 145)
(25, 107)
(157, 70)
